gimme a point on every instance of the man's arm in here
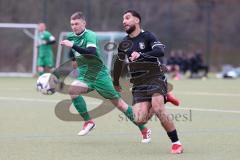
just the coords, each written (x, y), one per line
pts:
(86, 51)
(156, 45)
(155, 52)
(51, 40)
(117, 69)
(91, 40)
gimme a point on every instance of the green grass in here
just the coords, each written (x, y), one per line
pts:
(29, 128)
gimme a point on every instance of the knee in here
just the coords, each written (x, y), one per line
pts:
(141, 118)
(158, 103)
(158, 108)
(72, 92)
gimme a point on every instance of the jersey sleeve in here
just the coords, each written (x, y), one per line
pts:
(49, 37)
(154, 41)
(91, 40)
(46, 36)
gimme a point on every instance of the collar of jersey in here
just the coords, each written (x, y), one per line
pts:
(138, 34)
(81, 33)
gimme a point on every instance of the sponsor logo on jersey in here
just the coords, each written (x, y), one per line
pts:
(141, 45)
(81, 42)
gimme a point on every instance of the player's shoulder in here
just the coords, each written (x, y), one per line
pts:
(148, 34)
(89, 32)
(46, 33)
(70, 34)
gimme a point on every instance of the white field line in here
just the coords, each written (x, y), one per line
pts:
(19, 89)
(92, 102)
(204, 109)
(28, 99)
(40, 100)
(208, 94)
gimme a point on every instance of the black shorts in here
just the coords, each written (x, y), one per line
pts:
(143, 92)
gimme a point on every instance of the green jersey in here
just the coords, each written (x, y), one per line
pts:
(44, 48)
(92, 70)
(89, 66)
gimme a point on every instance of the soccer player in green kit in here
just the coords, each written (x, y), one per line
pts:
(93, 75)
(45, 53)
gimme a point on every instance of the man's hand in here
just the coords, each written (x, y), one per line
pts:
(118, 88)
(135, 55)
(67, 43)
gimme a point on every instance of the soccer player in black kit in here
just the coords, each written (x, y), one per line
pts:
(142, 51)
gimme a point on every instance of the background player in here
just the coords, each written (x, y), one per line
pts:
(45, 53)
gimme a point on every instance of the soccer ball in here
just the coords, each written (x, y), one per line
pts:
(47, 83)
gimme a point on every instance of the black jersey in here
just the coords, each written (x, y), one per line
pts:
(150, 49)
(144, 43)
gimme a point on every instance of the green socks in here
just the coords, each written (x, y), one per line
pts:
(130, 115)
(81, 107)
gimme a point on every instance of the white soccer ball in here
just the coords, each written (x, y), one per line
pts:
(47, 83)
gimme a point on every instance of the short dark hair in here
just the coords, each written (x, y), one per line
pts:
(77, 15)
(134, 13)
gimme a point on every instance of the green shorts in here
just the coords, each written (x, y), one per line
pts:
(102, 84)
(45, 61)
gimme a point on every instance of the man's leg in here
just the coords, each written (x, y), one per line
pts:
(104, 87)
(167, 123)
(137, 114)
(143, 114)
(49, 64)
(40, 65)
(77, 88)
(40, 70)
